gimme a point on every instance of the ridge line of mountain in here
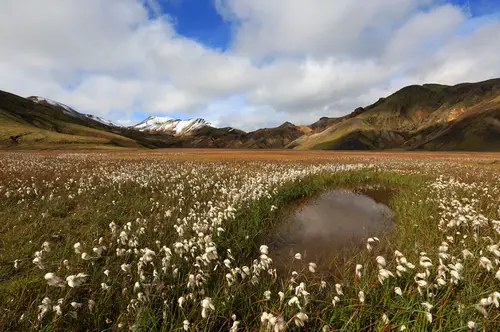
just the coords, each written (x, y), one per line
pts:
(465, 116)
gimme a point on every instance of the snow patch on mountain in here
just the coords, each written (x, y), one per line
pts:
(152, 123)
(170, 125)
(66, 109)
(69, 111)
(101, 120)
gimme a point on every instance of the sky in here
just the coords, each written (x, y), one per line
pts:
(248, 64)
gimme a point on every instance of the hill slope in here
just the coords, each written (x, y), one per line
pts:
(40, 123)
(36, 122)
(29, 123)
(431, 117)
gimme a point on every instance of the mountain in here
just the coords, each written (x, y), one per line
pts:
(272, 138)
(41, 123)
(430, 116)
(323, 123)
(265, 138)
(172, 126)
(69, 111)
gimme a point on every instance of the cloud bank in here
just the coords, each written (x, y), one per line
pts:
(287, 59)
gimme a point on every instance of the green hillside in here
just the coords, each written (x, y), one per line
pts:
(431, 117)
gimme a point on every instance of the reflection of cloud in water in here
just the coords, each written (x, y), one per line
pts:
(332, 221)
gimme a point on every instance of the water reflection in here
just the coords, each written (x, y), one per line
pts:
(334, 221)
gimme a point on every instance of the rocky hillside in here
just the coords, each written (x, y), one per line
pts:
(171, 126)
(431, 116)
(36, 122)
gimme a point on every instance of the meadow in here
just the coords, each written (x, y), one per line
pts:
(171, 240)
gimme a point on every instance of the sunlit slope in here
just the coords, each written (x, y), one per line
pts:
(24, 123)
(17, 132)
(431, 116)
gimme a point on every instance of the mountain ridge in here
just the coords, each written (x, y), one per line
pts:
(431, 116)
(171, 125)
(417, 117)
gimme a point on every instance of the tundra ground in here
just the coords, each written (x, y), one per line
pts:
(171, 240)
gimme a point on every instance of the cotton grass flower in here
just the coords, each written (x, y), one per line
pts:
(206, 306)
(44, 308)
(361, 297)
(234, 327)
(294, 301)
(53, 280)
(428, 314)
(78, 248)
(298, 256)
(466, 253)
(76, 305)
(229, 279)
(91, 305)
(57, 310)
(381, 261)
(211, 253)
(312, 267)
(46, 246)
(425, 262)
(180, 301)
(369, 243)
(75, 281)
(338, 289)
(300, 319)
(485, 263)
(384, 274)
(125, 268)
(358, 270)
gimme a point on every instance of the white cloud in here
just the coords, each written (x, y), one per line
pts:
(423, 33)
(315, 27)
(289, 59)
(466, 58)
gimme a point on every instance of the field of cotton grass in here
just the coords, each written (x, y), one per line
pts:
(171, 241)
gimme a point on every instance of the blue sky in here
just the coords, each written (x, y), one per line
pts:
(241, 63)
(199, 19)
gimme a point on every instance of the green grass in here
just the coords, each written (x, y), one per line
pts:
(28, 221)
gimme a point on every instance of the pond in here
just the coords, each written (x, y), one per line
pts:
(335, 222)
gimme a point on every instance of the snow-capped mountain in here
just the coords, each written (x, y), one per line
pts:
(65, 108)
(172, 126)
(69, 111)
(153, 123)
(101, 120)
